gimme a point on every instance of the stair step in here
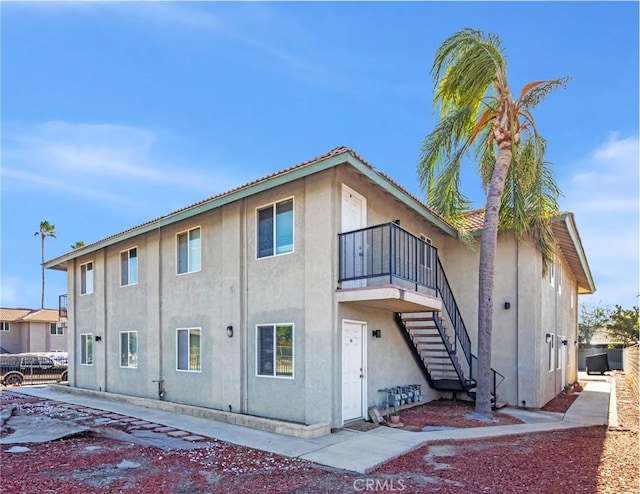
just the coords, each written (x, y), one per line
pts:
(432, 350)
(431, 357)
(424, 331)
(418, 340)
(421, 315)
(441, 367)
(440, 364)
(440, 374)
(434, 345)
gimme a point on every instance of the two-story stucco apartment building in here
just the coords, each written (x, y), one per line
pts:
(31, 330)
(300, 295)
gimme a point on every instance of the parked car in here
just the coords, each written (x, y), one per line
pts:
(30, 368)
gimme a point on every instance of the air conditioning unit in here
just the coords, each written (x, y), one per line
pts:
(61, 325)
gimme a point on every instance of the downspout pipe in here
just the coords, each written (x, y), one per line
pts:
(160, 381)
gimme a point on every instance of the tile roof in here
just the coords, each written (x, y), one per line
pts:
(28, 315)
(474, 220)
(567, 238)
(334, 152)
(337, 151)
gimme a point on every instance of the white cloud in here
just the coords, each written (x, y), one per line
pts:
(102, 161)
(52, 184)
(603, 194)
(278, 39)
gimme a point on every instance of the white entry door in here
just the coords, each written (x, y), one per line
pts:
(353, 370)
(354, 217)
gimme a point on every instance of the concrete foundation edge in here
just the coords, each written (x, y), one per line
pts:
(301, 431)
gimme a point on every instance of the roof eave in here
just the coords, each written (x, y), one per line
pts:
(569, 222)
(304, 170)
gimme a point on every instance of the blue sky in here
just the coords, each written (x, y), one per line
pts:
(117, 113)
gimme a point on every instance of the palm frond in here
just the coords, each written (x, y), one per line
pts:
(439, 146)
(465, 68)
(534, 95)
(446, 197)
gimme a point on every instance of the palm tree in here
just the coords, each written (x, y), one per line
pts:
(46, 230)
(479, 114)
(78, 245)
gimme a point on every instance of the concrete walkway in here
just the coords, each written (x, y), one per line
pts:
(360, 451)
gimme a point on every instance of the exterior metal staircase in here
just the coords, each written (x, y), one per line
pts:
(438, 341)
(444, 353)
(435, 346)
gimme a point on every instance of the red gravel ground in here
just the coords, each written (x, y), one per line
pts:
(582, 460)
(450, 414)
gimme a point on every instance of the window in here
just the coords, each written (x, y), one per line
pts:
(86, 349)
(129, 267)
(86, 278)
(189, 251)
(425, 252)
(275, 350)
(559, 278)
(188, 354)
(275, 229)
(5, 326)
(129, 349)
(54, 329)
(550, 341)
(558, 349)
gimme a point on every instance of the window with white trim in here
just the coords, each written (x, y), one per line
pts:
(275, 229)
(558, 347)
(86, 278)
(550, 345)
(86, 349)
(188, 349)
(129, 349)
(5, 326)
(559, 278)
(425, 252)
(275, 350)
(188, 251)
(129, 267)
(551, 275)
(55, 329)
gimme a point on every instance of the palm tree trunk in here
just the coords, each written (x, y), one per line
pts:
(488, 246)
(42, 293)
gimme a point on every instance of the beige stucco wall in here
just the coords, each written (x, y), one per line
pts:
(11, 340)
(519, 349)
(32, 336)
(86, 315)
(234, 288)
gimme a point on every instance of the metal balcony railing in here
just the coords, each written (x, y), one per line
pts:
(387, 254)
(62, 306)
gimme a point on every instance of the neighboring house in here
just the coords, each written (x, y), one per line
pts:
(32, 330)
(301, 295)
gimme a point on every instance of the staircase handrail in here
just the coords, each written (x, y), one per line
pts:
(494, 374)
(449, 302)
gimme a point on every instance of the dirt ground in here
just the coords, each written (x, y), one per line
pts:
(582, 460)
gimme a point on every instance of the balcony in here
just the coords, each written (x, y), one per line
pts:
(387, 267)
(62, 306)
